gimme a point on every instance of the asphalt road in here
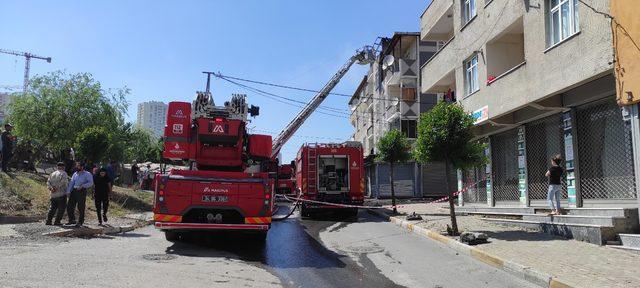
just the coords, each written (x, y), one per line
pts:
(326, 252)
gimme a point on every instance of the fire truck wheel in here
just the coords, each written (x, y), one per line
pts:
(304, 211)
(261, 237)
(171, 236)
(353, 213)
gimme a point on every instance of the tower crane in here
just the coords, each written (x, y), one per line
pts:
(363, 56)
(27, 64)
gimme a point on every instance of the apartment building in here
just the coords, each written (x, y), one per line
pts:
(389, 97)
(152, 115)
(5, 100)
(538, 78)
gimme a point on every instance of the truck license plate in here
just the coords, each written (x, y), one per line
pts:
(212, 198)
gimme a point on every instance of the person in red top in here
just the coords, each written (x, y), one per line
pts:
(555, 184)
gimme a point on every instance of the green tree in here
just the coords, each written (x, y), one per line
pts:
(445, 135)
(141, 146)
(393, 148)
(58, 106)
(92, 144)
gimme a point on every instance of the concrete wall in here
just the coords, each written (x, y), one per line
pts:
(627, 40)
(577, 60)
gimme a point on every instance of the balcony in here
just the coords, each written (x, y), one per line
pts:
(401, 68)
(505, 52)
(436, 23)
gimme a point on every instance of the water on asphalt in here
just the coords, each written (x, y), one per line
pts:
(327, 251)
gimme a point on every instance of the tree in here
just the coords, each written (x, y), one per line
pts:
(393, 148)
(58, 106)
(445, 135)
(140, 145)
(92, 144)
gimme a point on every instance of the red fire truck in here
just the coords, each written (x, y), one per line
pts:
(330, 173)
(285, 184)
(227, 187)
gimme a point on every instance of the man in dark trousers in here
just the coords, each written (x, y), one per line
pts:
(102, 189)
(80, 182)
(7, 147)
(57, 184)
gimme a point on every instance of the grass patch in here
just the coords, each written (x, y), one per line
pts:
(26, 194)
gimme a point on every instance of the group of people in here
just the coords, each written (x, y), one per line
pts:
(69, 195)
(144, 178)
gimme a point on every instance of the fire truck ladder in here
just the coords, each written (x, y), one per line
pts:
(363, 56)
(312, 172)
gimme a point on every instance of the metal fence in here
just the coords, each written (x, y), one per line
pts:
(605, 152)
(545, 139)
(504, 156)
(477, 191)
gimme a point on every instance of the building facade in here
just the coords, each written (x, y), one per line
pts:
(387, 98)
(538, 78)
(152, 115)
(5, 100)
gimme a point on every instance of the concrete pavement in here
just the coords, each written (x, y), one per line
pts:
(298, 253)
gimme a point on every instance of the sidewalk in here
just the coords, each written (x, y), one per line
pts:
(576, 263)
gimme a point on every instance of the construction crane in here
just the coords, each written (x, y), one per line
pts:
(10, 87)
(27, 64)
(363, 56)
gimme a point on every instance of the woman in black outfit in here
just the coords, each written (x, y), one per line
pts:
(103, 188)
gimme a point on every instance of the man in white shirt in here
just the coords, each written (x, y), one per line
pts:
(57, 184)
(77, 191)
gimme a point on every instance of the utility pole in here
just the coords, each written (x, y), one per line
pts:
(27, 64)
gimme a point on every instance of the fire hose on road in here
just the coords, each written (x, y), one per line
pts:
(298, 201)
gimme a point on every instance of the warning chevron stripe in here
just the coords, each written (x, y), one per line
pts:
(257, 220)
(167, 218)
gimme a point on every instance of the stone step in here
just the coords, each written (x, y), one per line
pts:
(506, 209)
(615, 212)
(630, 240)
(607, 221)
(595, 234)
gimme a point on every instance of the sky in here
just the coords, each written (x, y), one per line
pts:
(158, 49)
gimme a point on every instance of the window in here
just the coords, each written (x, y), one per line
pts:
(468, 10)
(408, 94)
(409, 128)
(562, 20)
(471, 74)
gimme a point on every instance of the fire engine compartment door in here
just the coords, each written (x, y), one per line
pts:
(251, 197)
(333, 174)
(178, 196)
(215, 193)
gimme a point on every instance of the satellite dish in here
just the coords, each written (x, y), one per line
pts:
(387, 61)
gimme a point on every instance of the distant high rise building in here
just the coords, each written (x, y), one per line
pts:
(152, 115)
(5, 99)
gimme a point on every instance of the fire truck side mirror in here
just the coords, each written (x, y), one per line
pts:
(254, 111)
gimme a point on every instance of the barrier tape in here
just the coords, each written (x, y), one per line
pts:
(440, 200)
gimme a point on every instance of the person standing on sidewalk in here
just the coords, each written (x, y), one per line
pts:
(57, 184)
(555, 184)
(102, 188)
(80, 182)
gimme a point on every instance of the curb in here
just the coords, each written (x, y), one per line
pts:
(523, 272)
(88, 231)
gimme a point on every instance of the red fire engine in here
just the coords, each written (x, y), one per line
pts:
(330, 173)
(285, 184)
(227, 186)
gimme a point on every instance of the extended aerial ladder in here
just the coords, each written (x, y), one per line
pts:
(363, 56)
